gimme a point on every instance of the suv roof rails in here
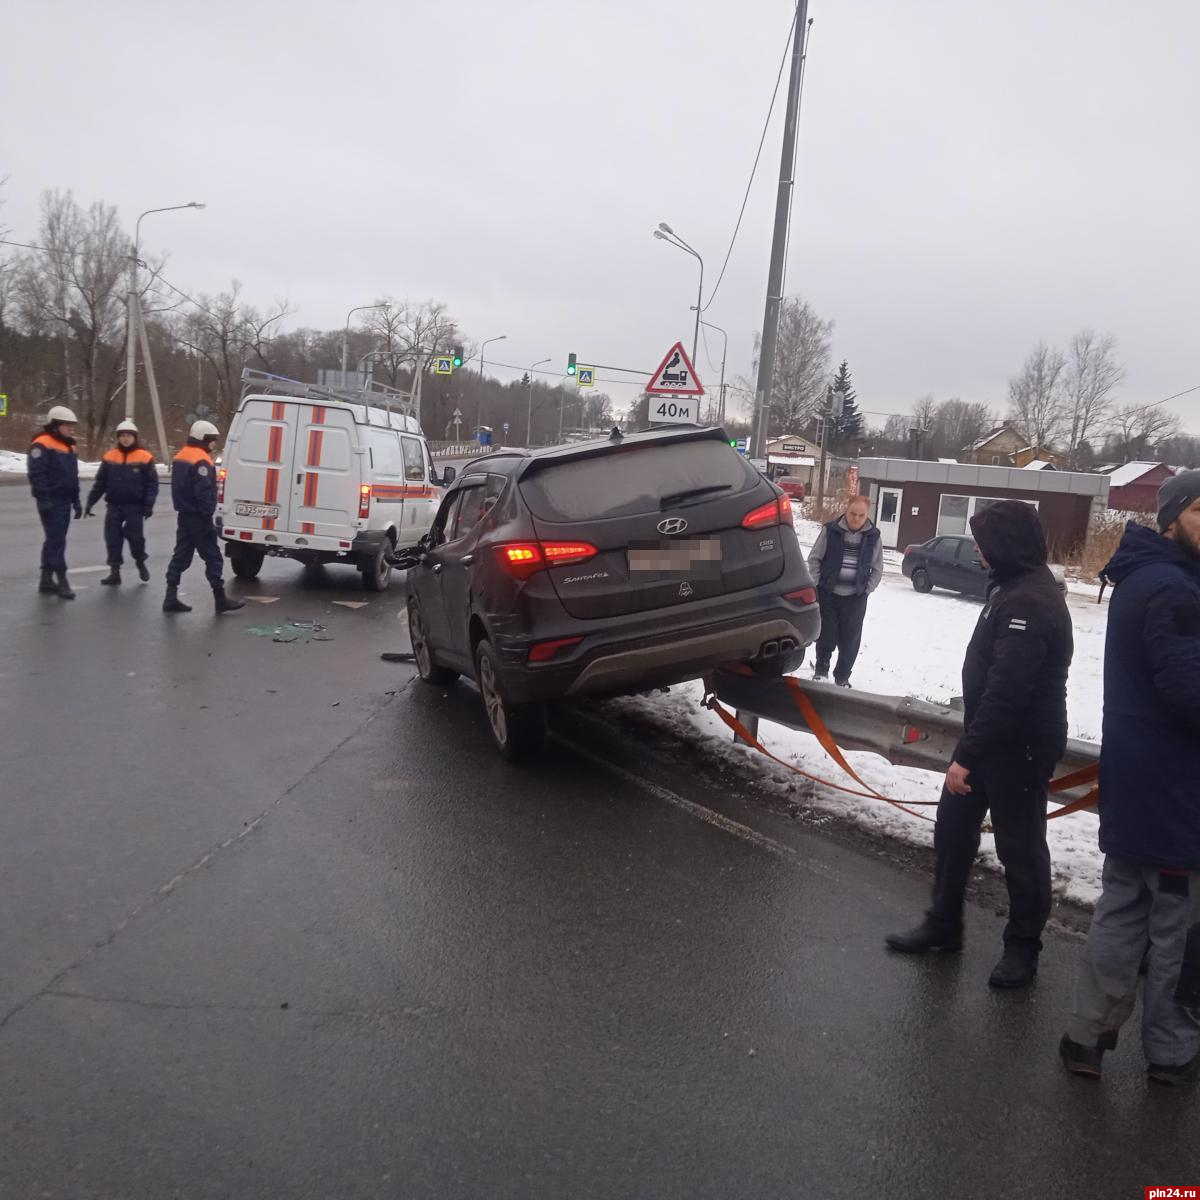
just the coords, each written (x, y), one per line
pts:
(374, 395)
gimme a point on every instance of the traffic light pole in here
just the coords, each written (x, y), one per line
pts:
(783, 213)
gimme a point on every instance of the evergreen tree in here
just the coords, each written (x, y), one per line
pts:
(847, 429)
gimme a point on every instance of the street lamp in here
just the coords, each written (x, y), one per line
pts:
(529, 416)
(724, 354)
(479, 407)
(132, 304)
(346, 332)
(665, 233)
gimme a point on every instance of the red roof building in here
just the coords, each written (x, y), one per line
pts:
(1134, 486)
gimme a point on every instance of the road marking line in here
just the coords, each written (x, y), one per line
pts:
(261, 599)
(707, 815)
(353, 603)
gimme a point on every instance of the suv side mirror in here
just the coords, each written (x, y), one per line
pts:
(449, 474)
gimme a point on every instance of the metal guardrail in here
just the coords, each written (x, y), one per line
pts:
(904, 730)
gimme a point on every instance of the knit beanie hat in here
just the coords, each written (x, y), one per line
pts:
(1176, 494)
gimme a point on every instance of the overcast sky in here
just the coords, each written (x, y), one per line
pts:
(972, 176)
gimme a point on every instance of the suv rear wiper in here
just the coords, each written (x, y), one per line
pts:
(675, 497)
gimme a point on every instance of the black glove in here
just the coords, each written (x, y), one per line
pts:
(78, 510)
(148, 513)
(87, 512)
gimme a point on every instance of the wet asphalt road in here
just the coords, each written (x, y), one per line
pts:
(276, 922)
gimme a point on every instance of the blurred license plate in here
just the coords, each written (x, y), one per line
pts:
(674, 555)
(244, 509)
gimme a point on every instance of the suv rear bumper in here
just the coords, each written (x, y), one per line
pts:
(605, 664)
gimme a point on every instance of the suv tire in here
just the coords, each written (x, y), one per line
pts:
(376, 570)
(519, 730)
(245, 562)
(921, 581)
(429, 670)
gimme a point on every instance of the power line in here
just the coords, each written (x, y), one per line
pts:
(64, 253)
(754, 169)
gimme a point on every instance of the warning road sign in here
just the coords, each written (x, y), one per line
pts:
(443, 365)
(586, 377)
(675, 375)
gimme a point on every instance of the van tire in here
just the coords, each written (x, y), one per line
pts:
(518, 730)
(427, 668)
(376, 570)
(244, 561)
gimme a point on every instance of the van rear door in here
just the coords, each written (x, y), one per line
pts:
(324, 479)
(258, 494)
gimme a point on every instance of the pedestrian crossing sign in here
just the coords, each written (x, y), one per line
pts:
(3, 405)
(586, 377)
(443, 364)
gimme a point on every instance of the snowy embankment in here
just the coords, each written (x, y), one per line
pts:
(912, 646)
(12, 463)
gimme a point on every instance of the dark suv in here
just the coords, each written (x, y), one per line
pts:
(604, 568)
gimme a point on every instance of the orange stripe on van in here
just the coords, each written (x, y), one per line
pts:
(274, 454)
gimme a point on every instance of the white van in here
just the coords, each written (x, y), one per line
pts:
(309, 473)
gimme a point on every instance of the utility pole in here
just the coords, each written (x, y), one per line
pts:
(823, 431)
(783, 214)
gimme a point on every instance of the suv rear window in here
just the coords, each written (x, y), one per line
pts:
(633, 480)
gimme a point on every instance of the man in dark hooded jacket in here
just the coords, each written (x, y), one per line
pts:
(1149, 801)
(1014, 732)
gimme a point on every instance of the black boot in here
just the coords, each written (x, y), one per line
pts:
(926, 936)
(1016, 969)
(1085, 1060)
(1171, 1075)
(112, 578)
(63, 588)
(143, 570)
(173, 603)
(46, 583)
(223, 602)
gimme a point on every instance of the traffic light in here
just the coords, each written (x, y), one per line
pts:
(733, 442)
(458, 357)
(571, 364)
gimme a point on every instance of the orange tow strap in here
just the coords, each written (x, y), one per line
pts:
(820, 731)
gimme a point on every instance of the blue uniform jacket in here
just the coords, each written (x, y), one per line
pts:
(1150, 755)
(126, 477)
(194, 481)
(53, 469)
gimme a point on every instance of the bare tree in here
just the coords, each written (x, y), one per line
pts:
(959, 423)
(1138, 428)
(1036, 398)
(74, 286)
(801, 366)
(1091, 375)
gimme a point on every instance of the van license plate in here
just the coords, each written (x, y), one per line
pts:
(245, 509)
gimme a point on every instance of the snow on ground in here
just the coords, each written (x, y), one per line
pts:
(12, 463)
(912, 646)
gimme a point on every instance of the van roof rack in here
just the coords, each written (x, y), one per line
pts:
(374, 395)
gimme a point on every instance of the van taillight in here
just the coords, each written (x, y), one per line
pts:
(522, 559)
(775, 512)
(221, 485)
(364, 501)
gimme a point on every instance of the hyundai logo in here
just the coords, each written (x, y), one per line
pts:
(672, 525)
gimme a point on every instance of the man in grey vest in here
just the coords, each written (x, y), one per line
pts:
(846, 565)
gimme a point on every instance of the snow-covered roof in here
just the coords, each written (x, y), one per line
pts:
(1129, 473)
(1039, 465)
(791, 460)
(987, 437)
(948, 460)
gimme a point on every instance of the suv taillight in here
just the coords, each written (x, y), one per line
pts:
(221, 485)
(522, 559)
(774, 512)
(364, 501)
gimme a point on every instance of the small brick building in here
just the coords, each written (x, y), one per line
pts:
(914, 501)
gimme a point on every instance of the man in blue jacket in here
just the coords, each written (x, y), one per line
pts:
(1149, 802)
(54, 480)
(194, 494)
(128, 479)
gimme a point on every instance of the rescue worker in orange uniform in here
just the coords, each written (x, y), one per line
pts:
(194, 493)
(54, 480)
(128, 479)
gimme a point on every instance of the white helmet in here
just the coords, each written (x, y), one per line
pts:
(203, 429)
(127, 426)
(60, 412)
